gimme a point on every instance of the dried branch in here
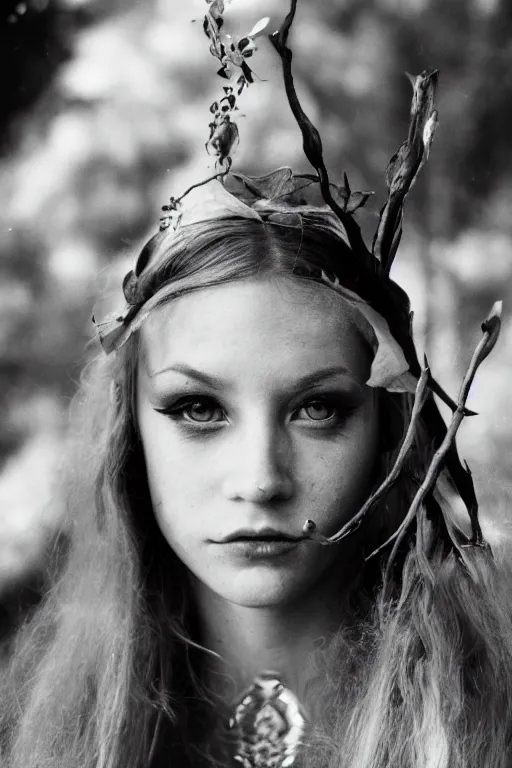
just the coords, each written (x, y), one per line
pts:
(491, 329)
(405, 165)
(311, 141)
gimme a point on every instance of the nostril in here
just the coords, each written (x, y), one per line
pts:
(259, 493)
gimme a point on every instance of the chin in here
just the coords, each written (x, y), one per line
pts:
(262, 588)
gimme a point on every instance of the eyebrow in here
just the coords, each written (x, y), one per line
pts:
(218, 383)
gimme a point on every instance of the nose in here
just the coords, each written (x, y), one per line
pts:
(260, 465)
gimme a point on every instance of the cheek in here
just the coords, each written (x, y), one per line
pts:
(178, 504)
(171, 478)
(337, 477)
(184, 480)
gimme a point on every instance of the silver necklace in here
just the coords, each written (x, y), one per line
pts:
(268, 724)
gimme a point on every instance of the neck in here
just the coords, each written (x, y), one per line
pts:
(281, 638)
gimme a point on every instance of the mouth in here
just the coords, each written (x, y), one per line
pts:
(265, 534)
(260, 547)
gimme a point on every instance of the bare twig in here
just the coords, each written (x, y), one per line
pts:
(201, 183)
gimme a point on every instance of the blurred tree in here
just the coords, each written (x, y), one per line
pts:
(35, 40)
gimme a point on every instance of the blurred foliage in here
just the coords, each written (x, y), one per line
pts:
(106, 115)
(35, 39)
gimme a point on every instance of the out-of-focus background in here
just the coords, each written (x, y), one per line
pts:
(104, 115)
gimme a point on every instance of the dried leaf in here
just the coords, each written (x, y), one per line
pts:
(225, 72)
(428, 133)
(223, 140)
(492, 326)
(259, 26)
(247, 72)
(276, 184)
(216, 8)
(348, 200)
(130, 287)
(405, 164)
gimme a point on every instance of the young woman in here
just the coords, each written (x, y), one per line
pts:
(237, 409)
(218, 600)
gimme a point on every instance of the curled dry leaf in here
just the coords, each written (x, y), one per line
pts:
(223, 140)
(405, 165)
(491, 326)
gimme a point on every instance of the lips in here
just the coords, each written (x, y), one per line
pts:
(263, 534)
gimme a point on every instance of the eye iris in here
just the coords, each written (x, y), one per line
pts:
(200, 411)
(318, 410)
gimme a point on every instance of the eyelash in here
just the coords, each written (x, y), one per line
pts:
(177, 412)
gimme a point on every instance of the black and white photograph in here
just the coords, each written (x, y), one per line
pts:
(255, 384)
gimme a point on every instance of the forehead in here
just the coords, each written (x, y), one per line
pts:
(276, 324)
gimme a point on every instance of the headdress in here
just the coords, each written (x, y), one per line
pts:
(380, 308)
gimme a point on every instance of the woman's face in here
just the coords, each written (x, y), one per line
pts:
(254, 415)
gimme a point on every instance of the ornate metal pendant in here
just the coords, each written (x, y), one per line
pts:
(268, 724)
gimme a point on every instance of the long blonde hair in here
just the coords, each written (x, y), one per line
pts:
(423, 681)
